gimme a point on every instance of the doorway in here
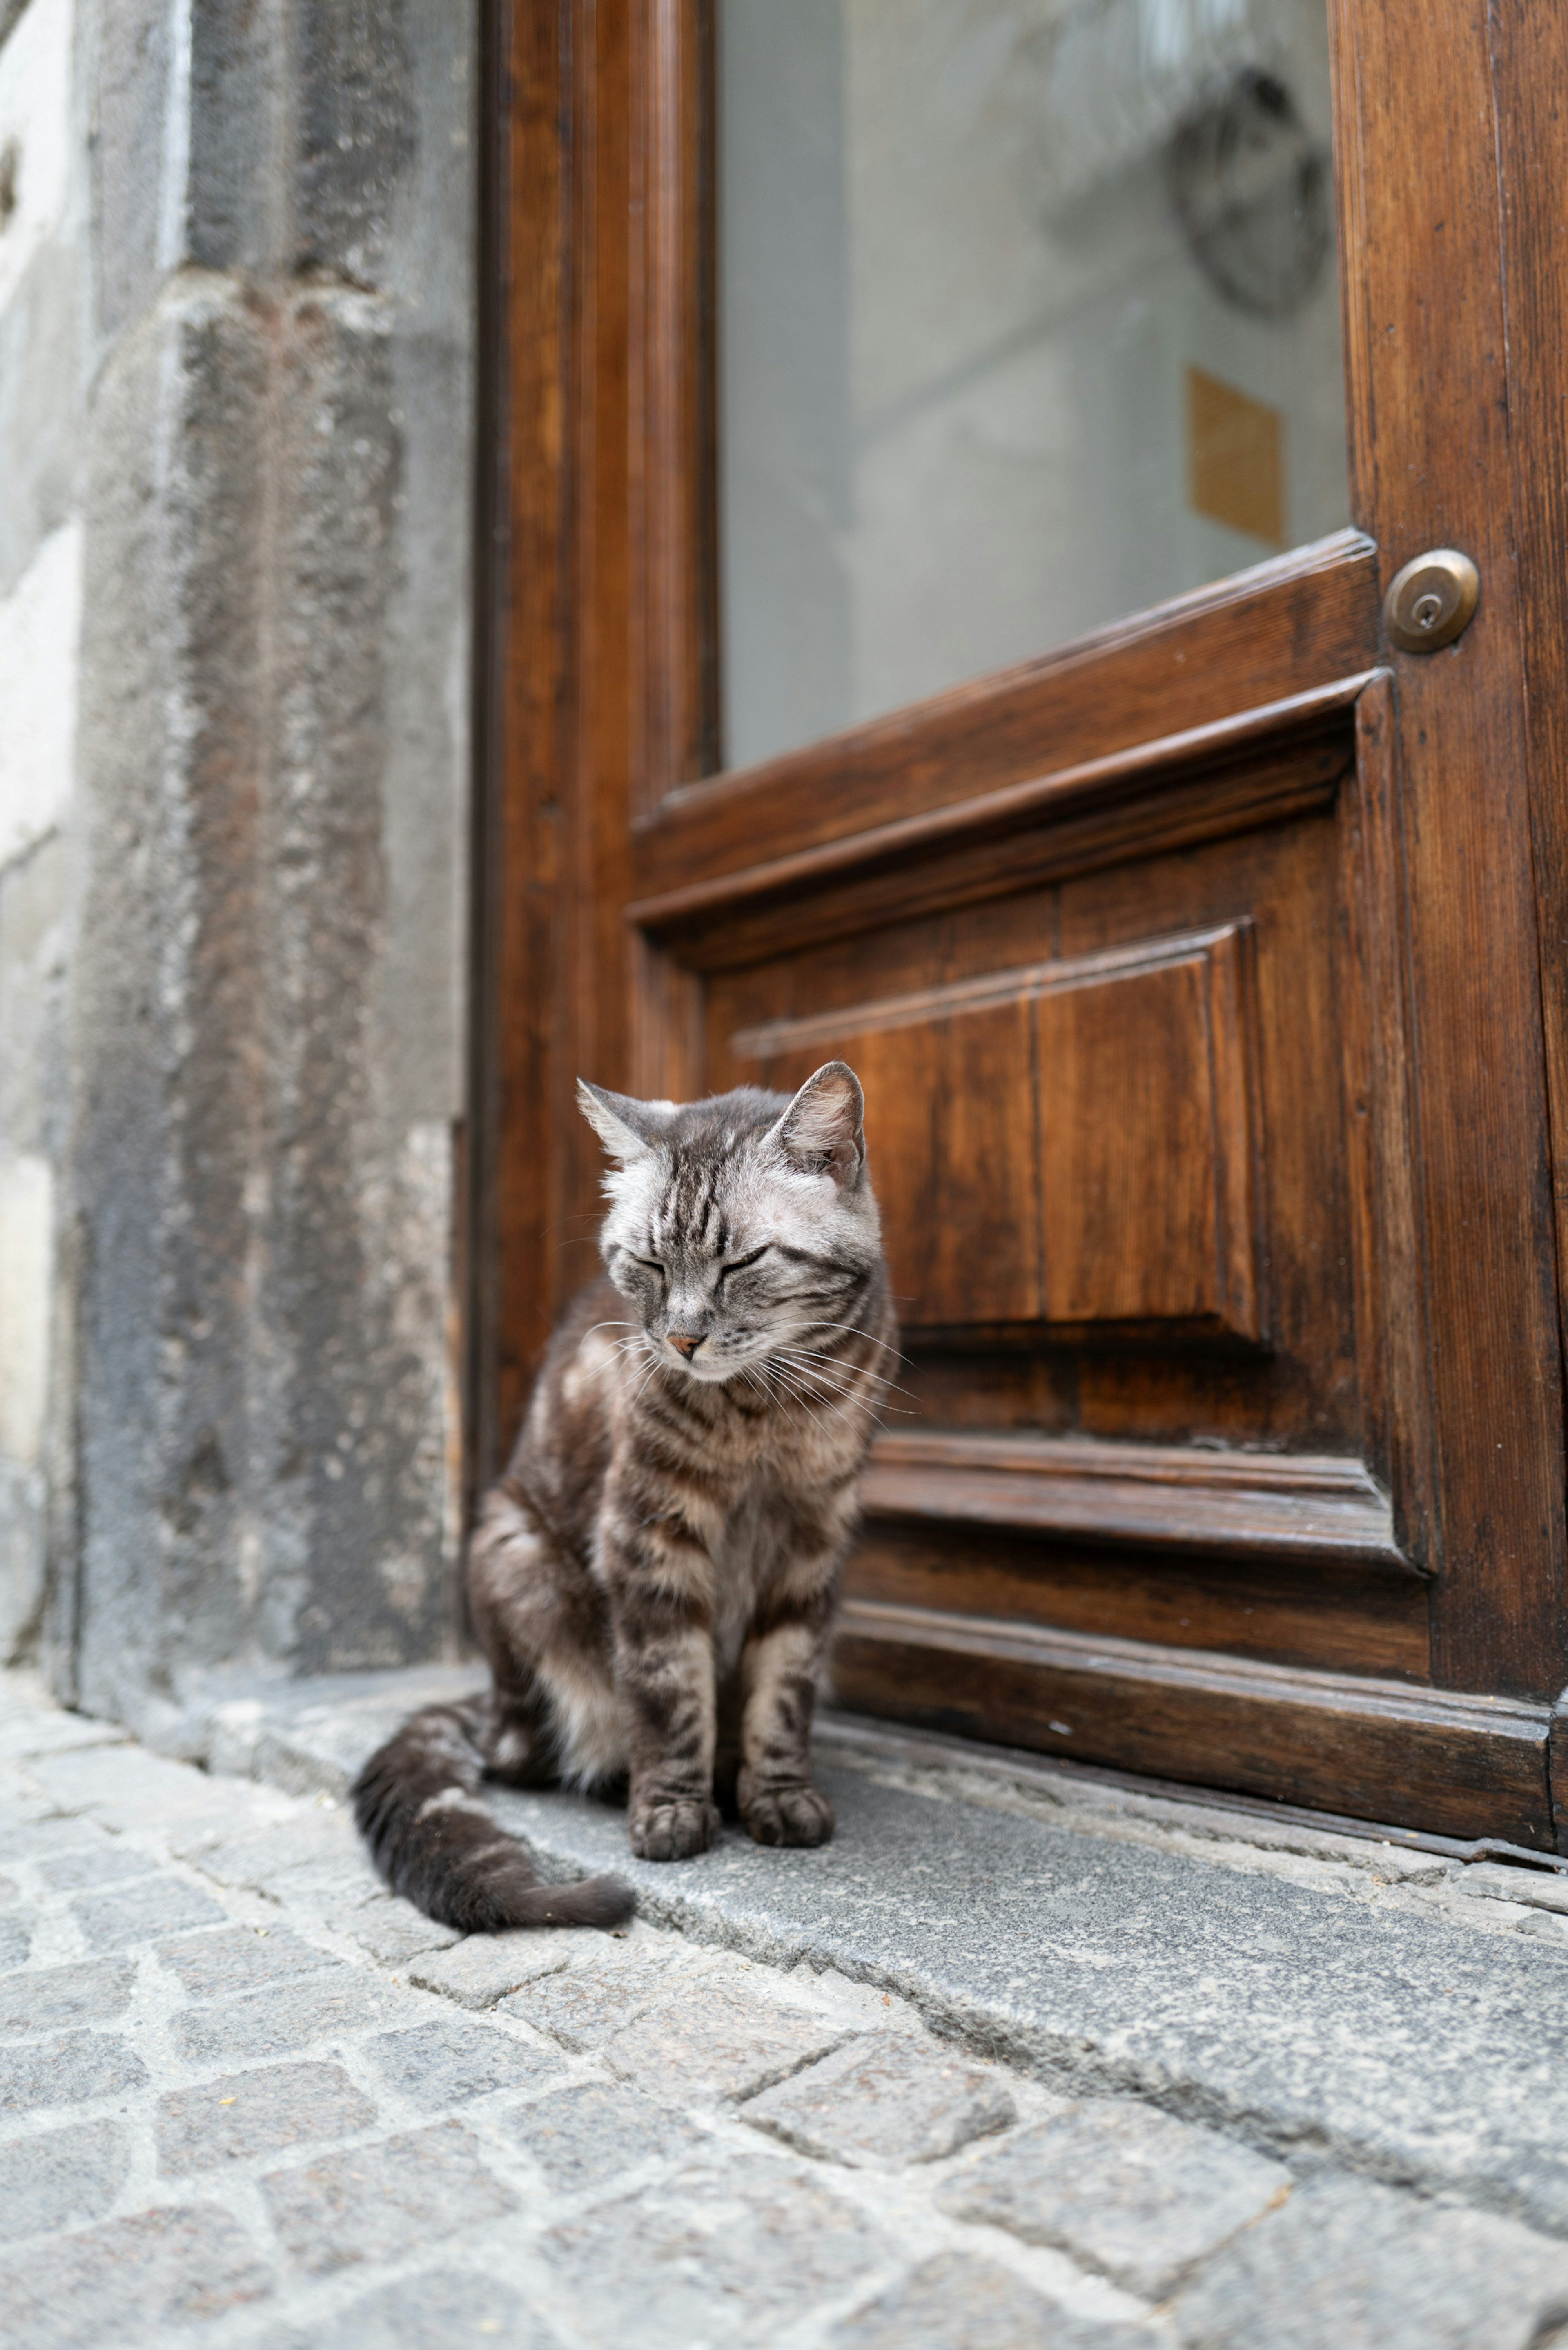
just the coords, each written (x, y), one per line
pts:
(950, 476)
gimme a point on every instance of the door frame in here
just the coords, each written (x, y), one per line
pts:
(599, 695)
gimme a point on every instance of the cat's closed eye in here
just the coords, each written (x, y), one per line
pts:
(739, 1263)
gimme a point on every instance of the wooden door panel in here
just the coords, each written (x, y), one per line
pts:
(1071, 1144)
(1304, 1611)
(1468, 1766)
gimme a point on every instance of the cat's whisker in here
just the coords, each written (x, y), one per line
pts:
(861, 1370)
(811, 1370)
(860, 1332)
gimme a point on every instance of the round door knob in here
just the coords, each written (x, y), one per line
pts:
(1431, 602)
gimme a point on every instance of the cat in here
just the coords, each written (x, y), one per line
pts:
(652, 1579)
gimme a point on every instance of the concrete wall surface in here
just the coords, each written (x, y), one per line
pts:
(235, 390)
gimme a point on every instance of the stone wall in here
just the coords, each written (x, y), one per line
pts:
(249, 1093)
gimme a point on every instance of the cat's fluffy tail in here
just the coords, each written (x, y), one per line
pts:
(416, 1803)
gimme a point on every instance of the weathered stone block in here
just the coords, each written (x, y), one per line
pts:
(1364, 2268)
(382, 2202)
(95, 1991)
(479, 1971)
(597, 2130)
(587, 2002)
(265, 1859)
(210, 1964)
(446, 2063)
(1534, 1888)
(954, 2303)
(180, 2267)
(709, 2039)
(713, 2251)
(1122, 2188)
(61, 2179)
(162, 1903)
(885, 2102)
(434, 2312)
(241, 2115)
(93, 1865)
(392, 1930)
(67, 2071)
(285, 2016)
(124, 1786)
(15, 1938)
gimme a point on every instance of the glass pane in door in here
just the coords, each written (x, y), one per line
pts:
(1029, 317)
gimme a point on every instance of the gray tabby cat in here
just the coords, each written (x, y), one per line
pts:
(652, 1578)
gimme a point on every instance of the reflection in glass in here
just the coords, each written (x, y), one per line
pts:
(1028, 317)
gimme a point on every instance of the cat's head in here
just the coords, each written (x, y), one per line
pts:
(739, 1226)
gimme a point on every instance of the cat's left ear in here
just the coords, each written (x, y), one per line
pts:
(626, 1128)
(821, 1129)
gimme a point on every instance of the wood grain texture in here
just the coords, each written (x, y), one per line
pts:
(1162, 1497)
(1530, 96)
(1311, 1613)
(1463, 1766)
(1254, 765)
(1289, 627)
(1016, 1184)
(602, 687)
(1426, 354)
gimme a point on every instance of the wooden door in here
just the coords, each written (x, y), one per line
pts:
(1204, 972)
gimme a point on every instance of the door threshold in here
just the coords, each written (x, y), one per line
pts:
(861, 1739)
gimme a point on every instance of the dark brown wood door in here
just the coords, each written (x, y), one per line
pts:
(1204, 974)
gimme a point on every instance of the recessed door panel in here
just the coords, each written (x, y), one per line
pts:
(1070, 1145)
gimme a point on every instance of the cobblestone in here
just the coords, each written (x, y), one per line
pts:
(481, 1970)
(598, 2130)
(885, 2104)
(290, 2128)
(168, 2268)
(383, 2201)
(434, 2311)
(210, 1964)
(284, 2017)
(241, 2114)
(447, 2063)
(1123, 2189)
(588, 2003)
(956, 2302)
(50, 1996)
(61, 2179)
(1349, 2266)
(393, 1931)
(714, 2041)
(715, 2251)
(68, 2071)
(157, 1904)
(92, 1865)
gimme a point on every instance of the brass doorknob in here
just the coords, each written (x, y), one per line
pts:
(1431, 602)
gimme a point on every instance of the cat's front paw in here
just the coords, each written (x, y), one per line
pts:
(662, 1828)
(788, 1815)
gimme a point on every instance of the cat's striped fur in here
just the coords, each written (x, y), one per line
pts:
(652, 1579)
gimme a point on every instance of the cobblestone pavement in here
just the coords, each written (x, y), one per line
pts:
(246, 2097)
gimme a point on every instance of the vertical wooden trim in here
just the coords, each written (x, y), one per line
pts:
(521, 551)
(1529, 85)
(1427, 355)
(673, 609)
(1384, 1189)
(597, 692)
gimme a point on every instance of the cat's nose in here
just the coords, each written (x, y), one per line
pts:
(684, 1343)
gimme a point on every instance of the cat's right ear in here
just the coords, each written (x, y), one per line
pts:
(626, 1128)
